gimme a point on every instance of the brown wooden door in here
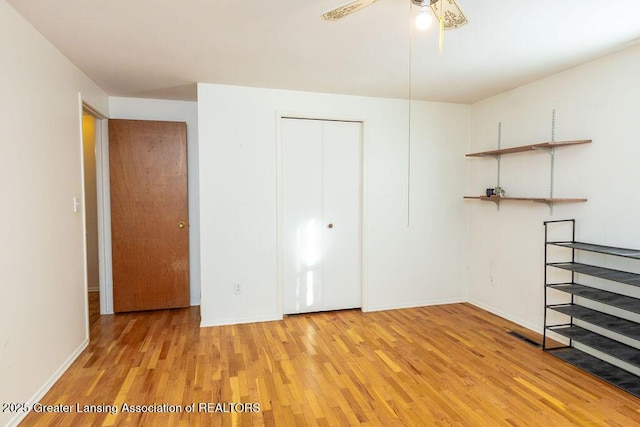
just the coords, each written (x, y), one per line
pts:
(149, 214)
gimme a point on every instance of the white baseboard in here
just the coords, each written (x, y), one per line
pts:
(514, 319)
(13, 422)
(426, 303)
(238, 321)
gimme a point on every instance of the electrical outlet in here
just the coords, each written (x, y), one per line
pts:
(491, 280)
(238, 288)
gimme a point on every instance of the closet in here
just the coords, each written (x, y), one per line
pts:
(320, 205)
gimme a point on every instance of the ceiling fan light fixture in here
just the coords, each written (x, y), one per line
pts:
(424, 20)
(446, 10)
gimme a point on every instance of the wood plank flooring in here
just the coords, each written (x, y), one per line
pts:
(439, 365)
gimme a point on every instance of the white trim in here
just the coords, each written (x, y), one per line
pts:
(363, 217)
(83, 212)
(91, 109)
(507, 316)
(18, 417)
(279, 243)
(425, 303)
(239, 321)
(104, 217)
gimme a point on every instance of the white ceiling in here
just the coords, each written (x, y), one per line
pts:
(161, 48)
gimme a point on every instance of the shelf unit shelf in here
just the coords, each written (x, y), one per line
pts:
(598, 318)
(620, 351)
(530, 147)
(609, 340)
(608, 250)
(599, 368)
(598, 295)
(625, 277)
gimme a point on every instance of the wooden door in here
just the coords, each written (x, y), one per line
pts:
(149, 214)
(320, 215)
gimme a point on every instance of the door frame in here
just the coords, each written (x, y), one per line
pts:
(104, 217)
(362, 202)
(103, 206)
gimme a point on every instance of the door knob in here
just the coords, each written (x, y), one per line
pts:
(181, 224)
(330, 225)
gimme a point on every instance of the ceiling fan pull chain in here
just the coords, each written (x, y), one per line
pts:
(441, 35)
(441, 21)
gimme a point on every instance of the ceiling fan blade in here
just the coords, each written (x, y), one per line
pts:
(451, 12)
(347, 9)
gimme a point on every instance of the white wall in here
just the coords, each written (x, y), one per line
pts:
(42, 279)
(403, 266)
(177, 111)
(598, 101)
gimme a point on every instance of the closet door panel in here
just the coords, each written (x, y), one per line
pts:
(341, 215)
(301, 168)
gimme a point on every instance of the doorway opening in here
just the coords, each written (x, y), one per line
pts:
(97, 244)
(90, 198)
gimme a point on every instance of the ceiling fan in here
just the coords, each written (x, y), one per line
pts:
(447, 11)
(449, 16)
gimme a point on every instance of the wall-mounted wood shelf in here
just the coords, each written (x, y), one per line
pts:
(531, 147)
(547, 200)
(527, 199)
(549, 147)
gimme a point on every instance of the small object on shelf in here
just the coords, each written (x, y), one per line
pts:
(498, 191)
(490, 192)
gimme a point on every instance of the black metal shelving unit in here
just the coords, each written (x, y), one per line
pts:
(601, 335)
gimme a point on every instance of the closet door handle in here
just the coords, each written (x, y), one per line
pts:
(330, 225)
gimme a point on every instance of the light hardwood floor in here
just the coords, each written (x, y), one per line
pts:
(440, 365)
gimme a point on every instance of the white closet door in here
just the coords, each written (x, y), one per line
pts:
(320, 215)
(341, 211)
(302, 215)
